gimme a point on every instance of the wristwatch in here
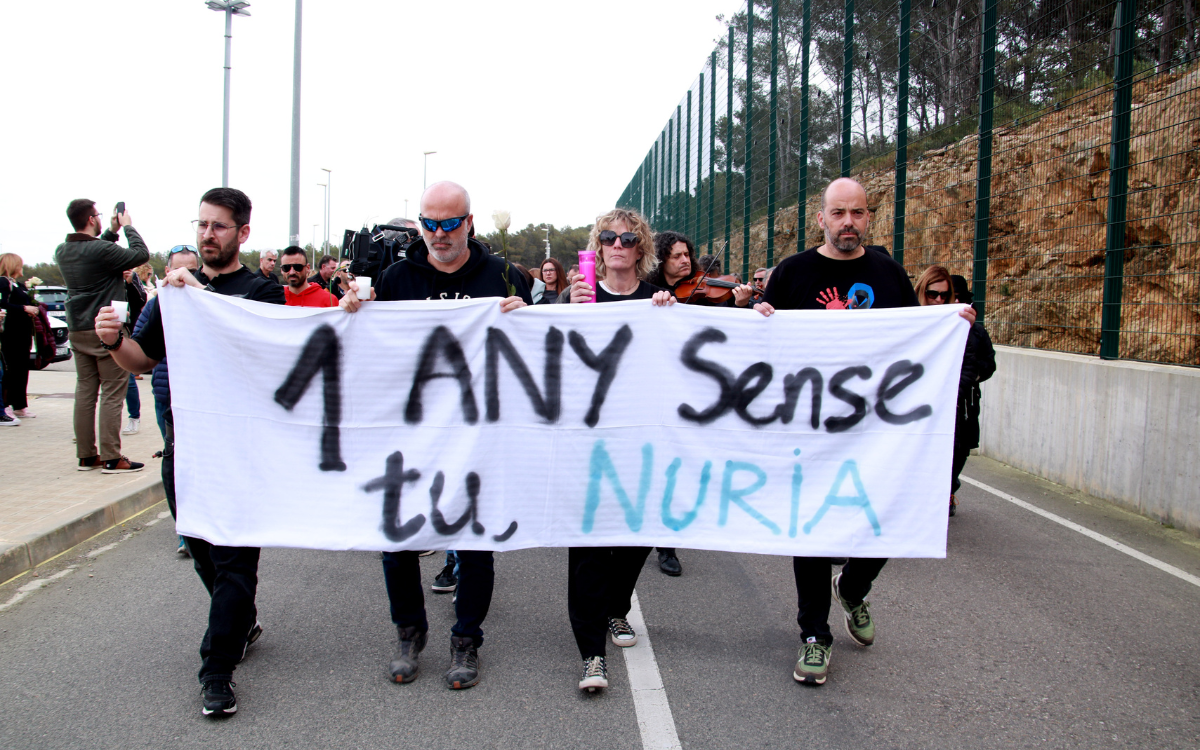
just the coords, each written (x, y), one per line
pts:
(112, 347)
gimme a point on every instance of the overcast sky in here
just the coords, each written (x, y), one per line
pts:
(542, 108)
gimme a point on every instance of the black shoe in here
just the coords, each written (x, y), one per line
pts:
(404, 664)
(121, 465)
(669, 563)
(446, 581)
(218, 698)
(90, 463)
(464, 663)
(251, 637)
(595, 674)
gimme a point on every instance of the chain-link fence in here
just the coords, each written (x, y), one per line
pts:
(1047, 151)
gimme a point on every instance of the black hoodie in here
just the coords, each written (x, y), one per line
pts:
(483, 275)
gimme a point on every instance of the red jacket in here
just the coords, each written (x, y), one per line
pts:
(314, 295)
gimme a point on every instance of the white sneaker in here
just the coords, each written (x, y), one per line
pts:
(133, 427)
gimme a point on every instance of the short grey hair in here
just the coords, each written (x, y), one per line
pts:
(270, 253)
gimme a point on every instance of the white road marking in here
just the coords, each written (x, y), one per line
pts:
(161, 516)
(1164, 567)
(655, 721)
(33, 586)
(102, 550)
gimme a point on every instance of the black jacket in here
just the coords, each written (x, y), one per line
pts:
(979, 359)
(483, 275)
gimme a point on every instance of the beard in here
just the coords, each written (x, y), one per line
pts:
(845, 244)
(220, 256)
(447, 256)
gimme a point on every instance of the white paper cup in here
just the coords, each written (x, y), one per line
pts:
(364, 287)
(121, 309)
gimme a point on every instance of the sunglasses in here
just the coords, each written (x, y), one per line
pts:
(286, 267)
(182, 249)
(608, 238)
(447, 225)
(945, 296)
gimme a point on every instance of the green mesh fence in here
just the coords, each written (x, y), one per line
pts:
(1049, 152)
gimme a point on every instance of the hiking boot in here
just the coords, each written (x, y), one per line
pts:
(953, 504)
(622, 633)
(445, 581)
(132, 427)
(812, 664)
(404, 664)
(595, 674)
(858, 618)
(669, 563)
(90, 463)
(464, 663)
(121, 465)
(218, 698)
(251, 637)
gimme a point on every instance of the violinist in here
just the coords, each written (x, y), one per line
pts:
(680, 273)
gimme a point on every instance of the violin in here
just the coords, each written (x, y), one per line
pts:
(711, 290)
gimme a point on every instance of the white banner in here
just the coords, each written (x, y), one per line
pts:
(448, 425)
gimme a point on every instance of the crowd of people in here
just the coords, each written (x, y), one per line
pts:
(632, 263)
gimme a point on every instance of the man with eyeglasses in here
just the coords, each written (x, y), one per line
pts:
(841, 274)
(93, 267)
(444, 264)
(266, 265)
(300, 292)
(229, 573)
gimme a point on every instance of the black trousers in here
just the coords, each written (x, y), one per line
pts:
(600, 583)
(406, 593)
(814, 595)
(961, 452)
(231, 576)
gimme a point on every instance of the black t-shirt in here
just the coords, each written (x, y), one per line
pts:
(332, 286)
(810, 281)
(241, 283)
(645, 290)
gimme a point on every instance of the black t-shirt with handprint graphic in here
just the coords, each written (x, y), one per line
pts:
(810, 281)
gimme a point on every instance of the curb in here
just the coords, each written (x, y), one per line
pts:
(114, 507)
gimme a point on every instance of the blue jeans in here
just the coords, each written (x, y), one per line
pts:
(406, 594)
(133, 400)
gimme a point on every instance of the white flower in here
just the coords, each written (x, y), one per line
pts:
(34, 281)
(502, 218)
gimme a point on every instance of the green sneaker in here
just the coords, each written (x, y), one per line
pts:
(812, 665)
(859, 624)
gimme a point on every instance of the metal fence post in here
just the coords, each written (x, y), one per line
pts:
(983, 171)
(847, 99)
(729, 154)
(1118, 183)
(748, 180)
(901, 135)
(712, 151)
(774, 142)
(669, 201)
(686, 195)
(802, 177)
(676, 216)
(699, 161)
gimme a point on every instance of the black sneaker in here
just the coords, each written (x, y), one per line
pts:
(622, 632)
(251, 637)
(595, 674)
(7, 421)
(445, 581)
(218, 698)
(90, 463)
(464, 663)
(121, 465)
(404, 664)
(669, 563)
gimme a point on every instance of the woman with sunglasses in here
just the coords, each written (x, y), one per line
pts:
(600, 580)
(936, 287)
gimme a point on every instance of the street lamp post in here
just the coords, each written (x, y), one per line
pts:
(328, 200)
(326, 220)
(294, 195)
(547, 242)
(230, 8)
(406, 208)
(314, 236)
(425, 173)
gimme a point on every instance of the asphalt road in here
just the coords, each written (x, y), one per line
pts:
(1028, 635)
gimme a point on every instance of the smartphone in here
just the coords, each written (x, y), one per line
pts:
(120, 208)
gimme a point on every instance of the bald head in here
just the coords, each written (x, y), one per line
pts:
(446, 193)
(843, 186)
(440, 201)
(844, 218)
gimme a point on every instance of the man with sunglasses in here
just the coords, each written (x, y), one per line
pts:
(841, 274)
(230, 574)
(300, 292)
(444, 264)
(93, 267)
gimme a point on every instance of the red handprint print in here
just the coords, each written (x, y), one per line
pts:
(830, 299)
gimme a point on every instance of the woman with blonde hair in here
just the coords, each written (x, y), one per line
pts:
(16, 338)
(624, 246)
(937, 287)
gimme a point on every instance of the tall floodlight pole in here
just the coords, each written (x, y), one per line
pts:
(230, 8)
(425, 172)
(324, 219)
(294, 217)
(314, 236)
(547, 242)
(328, 201)
(406, 208)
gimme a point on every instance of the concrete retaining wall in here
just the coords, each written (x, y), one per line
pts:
(1125, 431)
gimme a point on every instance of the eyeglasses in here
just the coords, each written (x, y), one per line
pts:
(447, 225)
(286, 267)
(217, 227)
(608, 238)
(945, 296)
(182, 249)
